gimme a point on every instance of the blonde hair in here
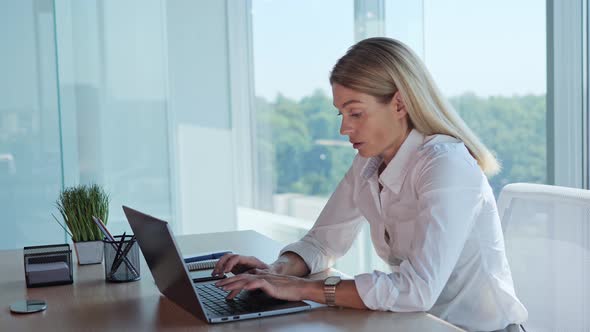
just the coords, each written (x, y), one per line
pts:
(382, 66)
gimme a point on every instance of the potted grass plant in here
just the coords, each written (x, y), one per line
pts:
(77, 205)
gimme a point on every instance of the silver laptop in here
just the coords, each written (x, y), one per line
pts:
(202, 299)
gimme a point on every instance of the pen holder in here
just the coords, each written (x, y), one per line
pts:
(121, 259)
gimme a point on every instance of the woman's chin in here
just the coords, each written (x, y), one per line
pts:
(363, 153)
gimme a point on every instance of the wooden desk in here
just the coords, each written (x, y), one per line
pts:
(92, 304)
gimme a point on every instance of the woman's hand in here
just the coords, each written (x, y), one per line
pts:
(238, 264)
(275, 285)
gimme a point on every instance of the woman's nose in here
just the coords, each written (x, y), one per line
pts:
(345, 128)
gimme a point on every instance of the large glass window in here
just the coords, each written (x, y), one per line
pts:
(113, 102)
(493, 74)
(30, 162)
(302, 155)
(131, 95)
(97, 93)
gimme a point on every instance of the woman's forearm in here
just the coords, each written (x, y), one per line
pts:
(346, 294)
(289, 263)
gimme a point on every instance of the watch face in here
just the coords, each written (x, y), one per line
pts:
(332, 281)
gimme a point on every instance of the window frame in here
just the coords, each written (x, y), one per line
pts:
(567, 96)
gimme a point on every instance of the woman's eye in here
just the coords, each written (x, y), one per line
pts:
(356, 115)
(339, 114)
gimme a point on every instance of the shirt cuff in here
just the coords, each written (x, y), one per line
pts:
(376, 290)
(308, 253)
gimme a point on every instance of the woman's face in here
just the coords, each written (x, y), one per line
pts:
(372, 127)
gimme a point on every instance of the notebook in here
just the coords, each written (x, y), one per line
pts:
(202, 265)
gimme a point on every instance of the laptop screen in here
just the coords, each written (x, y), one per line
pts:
(164, 260)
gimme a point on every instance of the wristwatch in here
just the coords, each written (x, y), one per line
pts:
(330, 290)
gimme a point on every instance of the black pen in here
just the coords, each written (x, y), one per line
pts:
(124, 254)
(117, 254)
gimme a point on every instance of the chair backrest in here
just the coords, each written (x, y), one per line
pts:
(547, 235)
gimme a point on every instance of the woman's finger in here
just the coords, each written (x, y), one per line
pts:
(219, 266)
(253, 284)
(234, 287)
(233, 294)
(237, 264)
(259, 271)
(229, 283)
(233, 262)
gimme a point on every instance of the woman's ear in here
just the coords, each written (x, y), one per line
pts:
(398, 104)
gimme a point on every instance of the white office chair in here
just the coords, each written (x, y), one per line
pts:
(547, 235)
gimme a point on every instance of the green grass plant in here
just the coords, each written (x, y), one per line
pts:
(77, 205)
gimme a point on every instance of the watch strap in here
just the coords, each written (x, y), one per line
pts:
(330, 294)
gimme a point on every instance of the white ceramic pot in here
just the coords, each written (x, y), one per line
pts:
(89, 252)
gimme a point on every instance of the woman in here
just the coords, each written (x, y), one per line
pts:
(419, 180)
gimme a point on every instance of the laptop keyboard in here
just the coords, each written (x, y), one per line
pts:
(245, 302)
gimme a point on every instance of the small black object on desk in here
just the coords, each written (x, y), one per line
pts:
(28, 306)
(48, 265)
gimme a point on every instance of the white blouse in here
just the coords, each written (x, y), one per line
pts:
(435, 222)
